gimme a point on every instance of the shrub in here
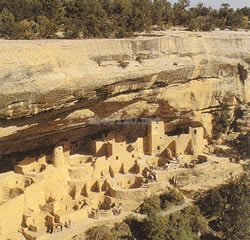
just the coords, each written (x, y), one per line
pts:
(228, 206)
(46, 27)
(14, 192)
(208, 24)
(197, 221)
(122, 231)
(151, 205)
(25, 29)
(195, 24)
(182, 225)
(135, 226)
(139, 59)
(221, 119)
(179, 228)
(241, 145)
(186, 225)
(71, 31)
(117, 18)
(154, 227)
(8, 25)
(173, 197)
(123, 64)
(99, 233)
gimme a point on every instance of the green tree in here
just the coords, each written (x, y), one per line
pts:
(221, 118)
(140, 18)
(161, 12)
(99, 233)
(21, 9)
(151, 205)
(8, 25)
(46, 27)
(110, 18)
(196, 24)
(186, 224)
(121, 14)
(173, 197)
(181, 14)
(229, 206)
(179, 229)
(95, 20)
(122, 231)
(197, 221)
(154, 227)
(25, 29)
(244, 22)
(208, 24)
(241, 145)
(52, 9)
(226, 16)
(200, 10)
(72, 28)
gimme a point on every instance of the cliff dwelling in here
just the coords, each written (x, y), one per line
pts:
(66, 185)
(92, 128)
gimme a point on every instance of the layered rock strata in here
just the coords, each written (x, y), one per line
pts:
(51, 90)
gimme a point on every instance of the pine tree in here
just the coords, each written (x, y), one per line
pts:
(8, 25)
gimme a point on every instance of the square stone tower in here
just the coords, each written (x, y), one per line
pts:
(156, 133)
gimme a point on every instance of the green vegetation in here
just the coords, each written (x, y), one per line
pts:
(228, 208)
(32, 19)
(151, 205)
(221, 214)
(154, 227)
(184, 225)
(99, 233)
(121, 231)
(221, 119)
(154, 204)
(241, 145)
(171, 198)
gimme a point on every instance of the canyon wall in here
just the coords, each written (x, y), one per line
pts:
(51, 90)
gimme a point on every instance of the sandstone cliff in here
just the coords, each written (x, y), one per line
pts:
(50, 89)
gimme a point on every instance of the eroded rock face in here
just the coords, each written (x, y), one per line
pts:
(56, 89)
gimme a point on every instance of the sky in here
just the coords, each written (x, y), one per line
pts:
(217, 3)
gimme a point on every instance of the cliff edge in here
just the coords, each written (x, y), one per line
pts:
(50, 89)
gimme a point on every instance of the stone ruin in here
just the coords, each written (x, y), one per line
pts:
(65, 186)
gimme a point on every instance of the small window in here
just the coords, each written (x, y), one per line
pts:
(16, 182)
(158, 148)
(133, 155)
(195, 132)
(117, 158)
